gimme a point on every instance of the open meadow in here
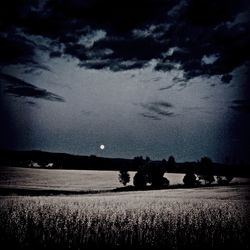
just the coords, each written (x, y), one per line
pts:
(185, 218)
(207, 218)
(72, 180)
(66, 180)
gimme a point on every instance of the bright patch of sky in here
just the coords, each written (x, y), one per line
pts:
(92, 37)
(106, 107)
(209, 59)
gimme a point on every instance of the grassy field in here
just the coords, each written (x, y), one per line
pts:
(207, 218)
(76, 180)
(73, 180)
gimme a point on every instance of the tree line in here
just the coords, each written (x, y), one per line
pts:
(152, 174)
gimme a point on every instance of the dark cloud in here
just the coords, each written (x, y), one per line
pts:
(16, 49)
(132, 48)
(116, 16)
(117, 53)
(226, 78)
(167, 87)
(114, 65)
(158, 108)
(241, 106)
(150, 116)
(212, 12)
(55, 54)
(164, 66)
(134, 32)
(20, 88)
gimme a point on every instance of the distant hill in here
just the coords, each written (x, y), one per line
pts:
(36, 158)
(62, 160)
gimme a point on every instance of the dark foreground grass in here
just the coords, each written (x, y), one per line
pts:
(130, 221)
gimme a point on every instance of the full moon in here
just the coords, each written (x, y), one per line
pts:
(102, 147)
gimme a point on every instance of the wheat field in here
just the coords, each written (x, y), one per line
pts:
(212, 218)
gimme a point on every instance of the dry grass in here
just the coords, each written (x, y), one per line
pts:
(152, 219)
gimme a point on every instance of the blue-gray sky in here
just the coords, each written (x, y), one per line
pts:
(153, 78)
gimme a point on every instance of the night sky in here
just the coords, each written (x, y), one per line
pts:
(148, 77)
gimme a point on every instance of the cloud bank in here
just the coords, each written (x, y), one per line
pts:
(19, 88)
(123, 35)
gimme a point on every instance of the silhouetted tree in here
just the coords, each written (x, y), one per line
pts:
(151, 173)
(164, 162)
(224, 180)
(229, 178)
(206, 161)
(138, 161)
(221, 181)
(209, 179)
(190, 180)
(140, 180)
(156, 177)
(124, 177)
(155, 171)
(165, 181)
(159, 181)
(171, 163)
(205, 164)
